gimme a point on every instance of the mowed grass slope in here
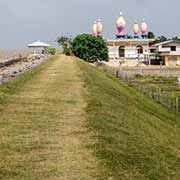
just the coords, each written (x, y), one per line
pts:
(42, 125)
(55, 116)
(136, 139)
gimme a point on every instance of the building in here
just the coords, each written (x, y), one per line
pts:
(126, 49)
(131, 50)
(169, 52)
(38, 48)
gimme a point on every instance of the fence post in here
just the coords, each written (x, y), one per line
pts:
(157, 94)
(177, 104)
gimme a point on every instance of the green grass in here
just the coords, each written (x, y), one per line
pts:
(16, 84)
(166, 84)
(43, 135)
(42, 132)
(135, 137)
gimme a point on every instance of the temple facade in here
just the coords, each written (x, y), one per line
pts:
(128, 49)
(124, 48)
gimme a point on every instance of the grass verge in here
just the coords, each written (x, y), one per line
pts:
(16, 84)
(135, 137)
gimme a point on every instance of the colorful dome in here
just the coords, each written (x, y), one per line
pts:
(144, 27)
(99, 26)
(136, 27)
(94, 28)
(121, 23)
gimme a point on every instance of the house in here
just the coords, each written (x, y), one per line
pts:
(169, 52)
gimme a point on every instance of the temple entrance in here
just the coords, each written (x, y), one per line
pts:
(139, 49)
(121, 51)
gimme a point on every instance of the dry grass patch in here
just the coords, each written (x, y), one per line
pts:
(43, 131)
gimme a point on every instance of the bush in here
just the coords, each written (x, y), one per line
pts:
(66, 51)
(90, 48)
(52, 51)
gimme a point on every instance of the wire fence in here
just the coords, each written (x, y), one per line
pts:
(167, 99)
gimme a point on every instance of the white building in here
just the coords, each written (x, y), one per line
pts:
(169, 51)
(126, 49)
(38, 48)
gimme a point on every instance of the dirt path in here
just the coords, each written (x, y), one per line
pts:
(42, 131)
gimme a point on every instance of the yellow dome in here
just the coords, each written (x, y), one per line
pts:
(136, 27)
(94, 27)
(99, 26)
(121, 21)
(144, 27)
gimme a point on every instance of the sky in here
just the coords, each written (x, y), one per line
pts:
(25, 21)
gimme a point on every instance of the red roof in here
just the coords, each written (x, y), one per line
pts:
(152, 47)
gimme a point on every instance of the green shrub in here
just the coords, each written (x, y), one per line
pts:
(90, 48)
(52, 51)
(66, 51)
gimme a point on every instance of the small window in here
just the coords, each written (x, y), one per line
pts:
(173, 48)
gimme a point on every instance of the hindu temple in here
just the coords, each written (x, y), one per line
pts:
(123, 47)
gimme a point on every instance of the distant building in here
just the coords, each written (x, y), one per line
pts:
(169, 52)
(125, 48)
(129, 49)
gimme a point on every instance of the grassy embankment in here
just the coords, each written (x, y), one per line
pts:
(15, 85)
(42, 131)
(166, 84)
(136, 138)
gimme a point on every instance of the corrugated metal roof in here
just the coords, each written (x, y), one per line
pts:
(166, 42)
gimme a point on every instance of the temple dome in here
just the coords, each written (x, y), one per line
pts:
(121, 23)
(95, 27)
(144, 27)
(136, 27)
(99, 26)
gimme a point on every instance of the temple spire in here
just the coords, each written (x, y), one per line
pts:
(120, 23)
(144, 28)
(99, 27)
(136, 29)
(94, 29)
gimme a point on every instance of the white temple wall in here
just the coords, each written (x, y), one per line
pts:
(131, 52)
(113, 52)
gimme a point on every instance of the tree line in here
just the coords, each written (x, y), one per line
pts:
(85, 46)
(91, 48)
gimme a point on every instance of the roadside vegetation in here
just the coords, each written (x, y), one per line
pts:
(52, 51)
(135, 137)
(42, 125)
(15, 85)
(166, 84)
(84, 46)
(90, 48)
(69, 120)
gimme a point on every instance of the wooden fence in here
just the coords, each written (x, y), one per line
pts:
(167, 99)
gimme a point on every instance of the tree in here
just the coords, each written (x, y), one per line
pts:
(64, 41)
(151, 35)
(176, 38)
(160, 39)
(90, 48)
(66, 51)
(129, 36)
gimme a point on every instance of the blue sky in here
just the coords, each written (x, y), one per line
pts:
(24, 21)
